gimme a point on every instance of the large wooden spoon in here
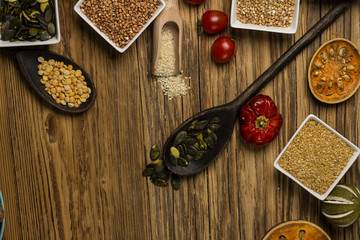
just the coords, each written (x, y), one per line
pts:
(170, 15)
(228, 112)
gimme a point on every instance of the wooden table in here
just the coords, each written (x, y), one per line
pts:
(79, 176)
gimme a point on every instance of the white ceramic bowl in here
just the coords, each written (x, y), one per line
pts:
(235, 23)
(53, 40)
(351, 160)
(83, 16)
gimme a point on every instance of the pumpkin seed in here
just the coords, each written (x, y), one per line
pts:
(180, 137)
(173, 160)
(214, 137)
(183, 162)
(192, 125)
(201, 125)
(192, 150)
(175, 152)
(159, 168)
(215, 126)
(175, 181)
(154, 152)
(324, 56)
(148, 172)
(214, 120)
(198, 155)
(159, 182)
(51, 29)
(201, 145)
(350, 67)
(189, 141)
(27, 18)
(210, 142)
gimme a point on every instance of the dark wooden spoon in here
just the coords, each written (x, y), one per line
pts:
(228, 112)
(29, 66)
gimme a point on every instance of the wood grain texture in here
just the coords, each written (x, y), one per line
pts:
(79, 176)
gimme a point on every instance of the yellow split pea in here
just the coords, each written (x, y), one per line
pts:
(64, 84)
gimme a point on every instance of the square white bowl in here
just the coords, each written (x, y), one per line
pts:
(351, 160)
(55, 39)
(87, 20)
(235, 23)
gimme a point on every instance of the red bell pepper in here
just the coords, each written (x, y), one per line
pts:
(259, 121)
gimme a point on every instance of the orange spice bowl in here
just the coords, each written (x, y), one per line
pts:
(334, 71)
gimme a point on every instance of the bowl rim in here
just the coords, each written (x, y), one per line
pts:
(312, 60)
(234, 23)
(54, 40)
(340, 176)
(119, 49)
(2, 226)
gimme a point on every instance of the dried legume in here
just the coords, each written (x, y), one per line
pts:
(274, 13)
(65, 85)
(316, 157)
(119, 20)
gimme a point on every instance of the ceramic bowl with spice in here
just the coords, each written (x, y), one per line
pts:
(115, 22)
(280, 16)
(42, 26)
(316, 157)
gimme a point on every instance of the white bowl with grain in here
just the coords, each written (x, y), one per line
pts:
(122, 49)
(316, 157)
(247, 12)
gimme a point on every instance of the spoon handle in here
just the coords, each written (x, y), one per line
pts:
(291, 53)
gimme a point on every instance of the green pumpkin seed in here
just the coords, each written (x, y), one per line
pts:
(214, 120)
(183, 162)
(180, 137)
(173, 160)
(154, 152)
(192, 150)
(201, 125)
(175, 152)
(148, 172)
(159, 168)
(189, 157)
(214, 137)
(210, 142)
(201, 145)
(51, 29)
(8, 35)
(175, 181)
(181, 149)
(48, 14)
(192, 125)
(198, 155)
(189, 141)
(215, 126)
(159, 182)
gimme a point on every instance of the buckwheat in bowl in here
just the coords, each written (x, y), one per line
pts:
(120, 23)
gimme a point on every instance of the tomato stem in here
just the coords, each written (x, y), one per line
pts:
(261, 122)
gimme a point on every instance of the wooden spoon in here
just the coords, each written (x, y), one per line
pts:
(228, 112)
(170, 15)
(29, 66)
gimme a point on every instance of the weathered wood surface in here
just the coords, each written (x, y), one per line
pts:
(79, 176)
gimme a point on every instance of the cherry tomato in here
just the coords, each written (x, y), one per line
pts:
(223, 49)
(260, 121)
(214, 21)
(195, 1)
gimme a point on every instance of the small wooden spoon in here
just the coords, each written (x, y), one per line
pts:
(170, 15)
(228, 112)
(29, 66)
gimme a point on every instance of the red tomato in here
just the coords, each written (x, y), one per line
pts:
(259, 121)
(195, 1)
(223, 49)
(214, 21)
